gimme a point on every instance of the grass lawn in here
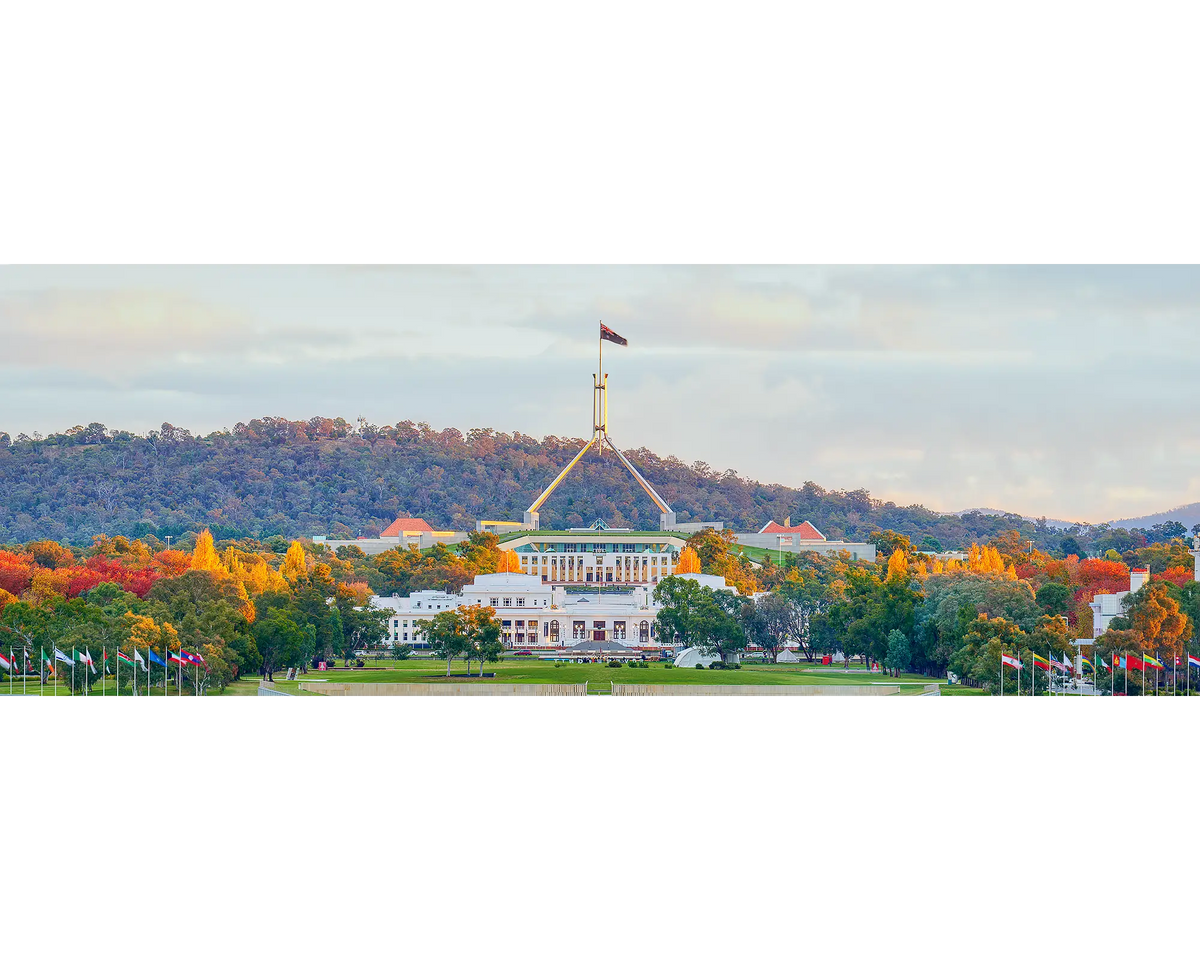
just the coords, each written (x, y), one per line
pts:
(597, 675)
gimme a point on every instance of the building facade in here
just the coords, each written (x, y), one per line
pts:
(578, 558)
(537, 615)
(1106, 607)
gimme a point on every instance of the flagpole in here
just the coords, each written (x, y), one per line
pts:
(103, 670)
(118, 680)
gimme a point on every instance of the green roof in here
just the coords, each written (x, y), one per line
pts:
(604, 534)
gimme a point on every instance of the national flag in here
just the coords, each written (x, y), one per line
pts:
(1193, 661)
(60, 657)
(1103, 664)
(138, 657)
(6, 662)
(193, 658)
(1060, 664)
(1131, 662)
(1013, 662)
(124, 658)
(155, 658)
(1152, 663)
(47, 661)
(177, 657)
(1088, 663)
(85, 657)
(607, 334)
(1040, 661)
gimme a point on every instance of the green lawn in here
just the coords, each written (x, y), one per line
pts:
(534, 670)
(598, 675)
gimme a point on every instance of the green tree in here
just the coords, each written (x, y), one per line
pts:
(481, 635)
(701, 617)
(282, 641)
(444, 632)
(899, 656)
(1054, 598)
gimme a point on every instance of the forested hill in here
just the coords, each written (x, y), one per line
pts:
(273, 476)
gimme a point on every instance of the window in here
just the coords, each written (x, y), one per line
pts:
(506, 624)
(627, 547)
(553, 629)
(520, 624)
(644, 631)
(578, 629)
(618, 629)
(533, 626)
(508, 601)
(520, 601)
(493, 602)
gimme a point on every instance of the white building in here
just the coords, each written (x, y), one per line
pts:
(535, 614)
(1106, 607)
(617, 557)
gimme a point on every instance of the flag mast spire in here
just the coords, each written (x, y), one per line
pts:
(599, 438)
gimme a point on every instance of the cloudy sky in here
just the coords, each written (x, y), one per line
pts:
(1063, 392)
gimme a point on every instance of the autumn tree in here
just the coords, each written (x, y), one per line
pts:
(1156, 618)
(295, 564)
(204, 555)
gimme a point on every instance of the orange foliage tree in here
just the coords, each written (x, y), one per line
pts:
(688, 562)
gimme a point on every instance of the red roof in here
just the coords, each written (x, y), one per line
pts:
(406, 525)
(805, 531)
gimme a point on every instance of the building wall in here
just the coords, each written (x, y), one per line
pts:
(857, 551)
(583, 558)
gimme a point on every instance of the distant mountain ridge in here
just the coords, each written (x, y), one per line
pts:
(1188, 515)
(993, 512)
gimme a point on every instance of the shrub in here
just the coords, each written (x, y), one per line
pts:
(614, 663)
(669, 665)
(699, 666)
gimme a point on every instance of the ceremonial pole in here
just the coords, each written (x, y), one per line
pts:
(103, 670)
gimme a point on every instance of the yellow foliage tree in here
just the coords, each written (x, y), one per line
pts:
(145, 632)
(509, 562)
(689, 561)
(204, 556)
(986, 559)
(294, 565)
(5, 598)
(897, 567)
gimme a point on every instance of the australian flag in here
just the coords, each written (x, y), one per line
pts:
(607, 334)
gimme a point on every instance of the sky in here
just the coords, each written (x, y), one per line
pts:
(1063, 392)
